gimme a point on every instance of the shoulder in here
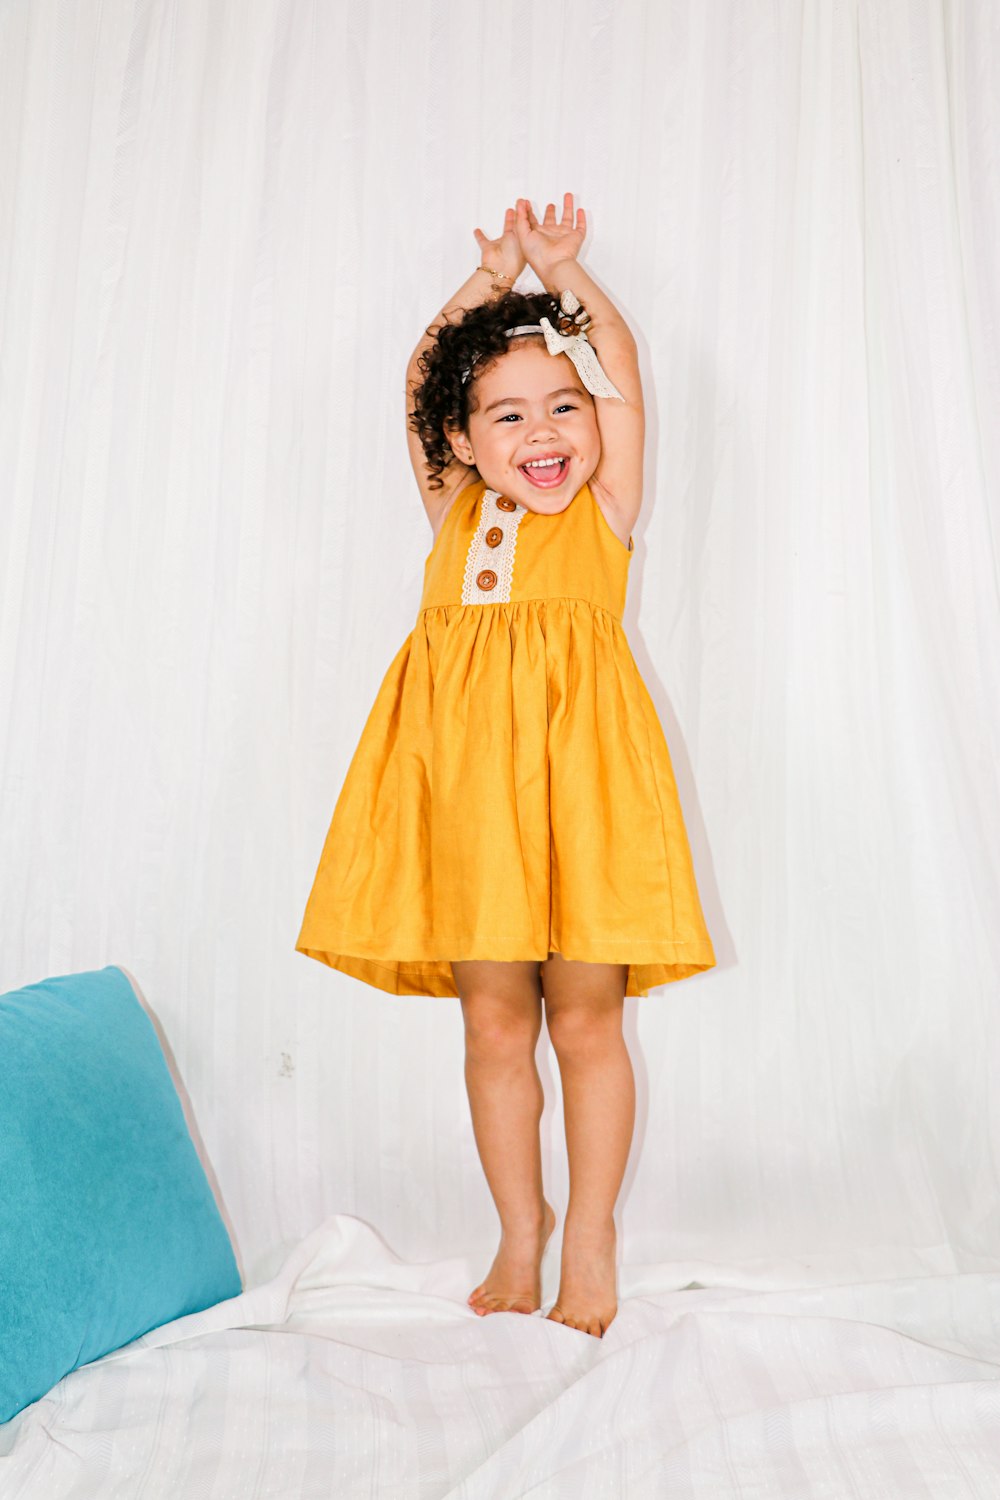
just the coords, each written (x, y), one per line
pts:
(455, 475)
(470, 481)
(620, 517)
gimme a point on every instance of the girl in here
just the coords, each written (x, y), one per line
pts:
(509, 830)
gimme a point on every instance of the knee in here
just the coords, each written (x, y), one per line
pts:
(581, 1035)
(496, 1033)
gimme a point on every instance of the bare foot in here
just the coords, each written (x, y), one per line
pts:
(587, 1297)
(514, 1280)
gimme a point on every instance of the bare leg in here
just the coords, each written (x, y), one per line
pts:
(502, 1009)
(583, 1008)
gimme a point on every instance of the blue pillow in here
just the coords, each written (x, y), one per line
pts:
(108, 1225)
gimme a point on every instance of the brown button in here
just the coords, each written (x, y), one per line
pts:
(504, 504)
(494, 536)
(487, 579)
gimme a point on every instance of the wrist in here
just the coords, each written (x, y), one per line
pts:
(556, 275)
(504, 280)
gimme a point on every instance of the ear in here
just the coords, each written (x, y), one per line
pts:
(460, 445)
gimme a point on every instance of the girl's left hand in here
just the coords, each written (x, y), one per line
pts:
(545, 243)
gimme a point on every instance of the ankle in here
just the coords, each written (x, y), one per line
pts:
(585, 1229)
(530, 1225)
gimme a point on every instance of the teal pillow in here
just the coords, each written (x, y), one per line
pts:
(108, 1225)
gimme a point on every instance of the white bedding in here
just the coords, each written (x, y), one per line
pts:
(350, 1373)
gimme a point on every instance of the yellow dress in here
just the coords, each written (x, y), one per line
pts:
(512, 793)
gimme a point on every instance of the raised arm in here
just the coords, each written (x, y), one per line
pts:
(478, 288)
(551, 248)
(504, 256)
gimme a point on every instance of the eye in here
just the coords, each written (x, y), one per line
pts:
(565, 406)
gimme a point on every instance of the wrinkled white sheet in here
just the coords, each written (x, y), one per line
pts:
(350, 1373)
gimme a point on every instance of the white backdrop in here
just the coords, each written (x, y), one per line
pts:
(224, 227)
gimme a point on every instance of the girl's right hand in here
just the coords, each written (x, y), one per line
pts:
(505, 254)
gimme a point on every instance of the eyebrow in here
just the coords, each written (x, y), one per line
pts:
(564, 390)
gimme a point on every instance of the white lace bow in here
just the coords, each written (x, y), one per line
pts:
(577, 345)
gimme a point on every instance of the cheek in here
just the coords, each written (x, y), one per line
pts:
(495, 438)
(588, 434)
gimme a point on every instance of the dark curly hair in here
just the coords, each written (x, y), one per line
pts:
(470, 344)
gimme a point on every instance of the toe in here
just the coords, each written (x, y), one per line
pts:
(521, 1305)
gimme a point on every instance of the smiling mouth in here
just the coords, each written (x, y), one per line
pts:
(545, 476)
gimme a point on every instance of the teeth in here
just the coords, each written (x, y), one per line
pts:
(541, 463)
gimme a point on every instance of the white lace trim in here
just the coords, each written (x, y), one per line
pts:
(498, 559)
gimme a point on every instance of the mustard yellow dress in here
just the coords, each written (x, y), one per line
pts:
(512, 793)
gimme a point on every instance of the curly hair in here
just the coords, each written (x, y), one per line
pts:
(467, 346)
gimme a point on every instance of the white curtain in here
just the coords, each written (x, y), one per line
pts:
(224, 227)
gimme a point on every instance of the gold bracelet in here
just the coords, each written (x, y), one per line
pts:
(498, 274)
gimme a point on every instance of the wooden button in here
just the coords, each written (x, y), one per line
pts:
(494, 536)
(504, 504)
(487, 579)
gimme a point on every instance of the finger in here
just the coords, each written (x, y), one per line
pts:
(567, 217)
(550, 215)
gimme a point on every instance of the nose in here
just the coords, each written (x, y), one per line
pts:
(541, 430)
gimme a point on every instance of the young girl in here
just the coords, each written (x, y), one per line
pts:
(509, 830)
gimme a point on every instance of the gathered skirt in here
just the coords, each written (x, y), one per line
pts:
(511, 796)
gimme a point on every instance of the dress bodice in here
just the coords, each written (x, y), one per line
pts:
(493, 550)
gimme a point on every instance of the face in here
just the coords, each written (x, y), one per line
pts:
(531, 405)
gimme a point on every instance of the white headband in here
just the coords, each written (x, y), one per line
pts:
(577, 345)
